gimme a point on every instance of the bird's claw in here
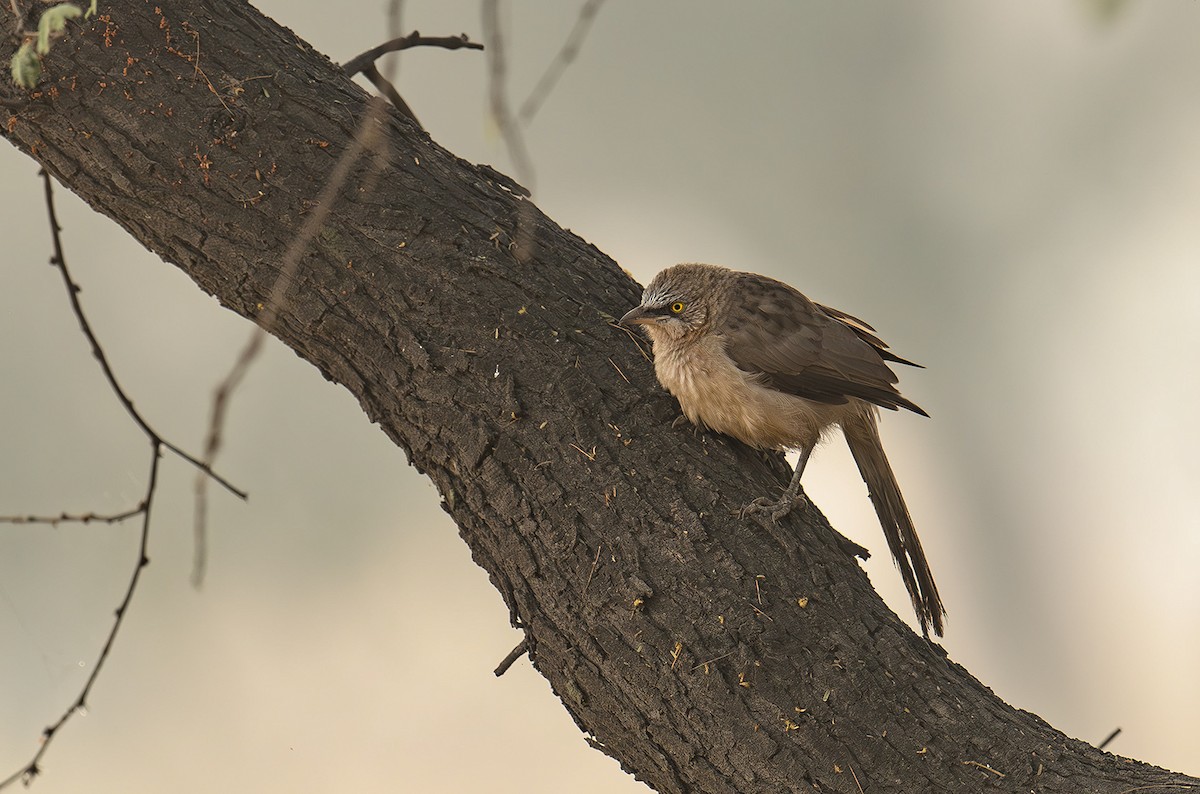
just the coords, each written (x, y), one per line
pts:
(774, 508)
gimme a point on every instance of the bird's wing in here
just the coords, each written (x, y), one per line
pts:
(866, 332)
(802, 348)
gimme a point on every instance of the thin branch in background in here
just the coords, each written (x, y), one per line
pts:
(73, 291)
(388, 89)
(27, 773)
(365, 63)
(18, 18)
(365, 138)
(1116, 732)
(385, 82)
(414, 39)
(157, 444)
(75, 518)
(566, 56)
(498, 94)
(523, 241)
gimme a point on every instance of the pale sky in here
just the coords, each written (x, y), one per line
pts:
(1007, 191)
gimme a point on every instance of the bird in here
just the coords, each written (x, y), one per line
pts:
(753, 358)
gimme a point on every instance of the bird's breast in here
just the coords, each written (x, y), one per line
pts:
(715, 393)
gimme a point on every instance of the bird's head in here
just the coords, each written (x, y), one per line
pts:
(678, 301)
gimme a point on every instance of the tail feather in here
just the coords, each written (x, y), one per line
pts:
(862, 436)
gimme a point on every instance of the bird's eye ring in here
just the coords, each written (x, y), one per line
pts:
(677, 307)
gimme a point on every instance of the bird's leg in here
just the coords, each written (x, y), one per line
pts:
(791, 496)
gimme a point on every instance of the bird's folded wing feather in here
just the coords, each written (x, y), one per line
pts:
(801, 348)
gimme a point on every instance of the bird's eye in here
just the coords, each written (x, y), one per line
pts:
(677, 307)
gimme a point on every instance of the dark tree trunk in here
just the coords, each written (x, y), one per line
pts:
(705, 653)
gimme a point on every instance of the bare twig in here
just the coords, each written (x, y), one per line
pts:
(414, 39)
(522, 246)
(855, 776)
(565, 57)
(710, 661)
(75, 518)
(985, 768)
(365, 137)
(634, 337)
(73, 295)
(196, 35)
(513, 655)
(365, 63)
(385, 86)
(498, 94)
(27, 773)
(157, 444)
(592, 572)
(1116, 732)
(18, 17)
(759, 611)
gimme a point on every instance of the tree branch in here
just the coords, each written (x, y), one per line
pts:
(564, 58)
(547, 440)
(31, 770)
(365, 63)
(414, 39)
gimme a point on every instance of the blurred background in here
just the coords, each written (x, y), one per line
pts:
(1007, 191)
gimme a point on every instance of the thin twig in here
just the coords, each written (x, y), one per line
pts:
(364, 137)
(984, 767)
(592, 572)
(637, 342)
(75, 518)
(618, 369)
(414, 39)
(513, 655)
(1116, 732)
(196, 35)
(712, 660)
(855, 776)
(498, 94)
(759, 611)
(385, 86)
(18, 15)
(157, 444)
(27, 773)
(570, 49)
(73, 295)
(365, 63)
(367, 132)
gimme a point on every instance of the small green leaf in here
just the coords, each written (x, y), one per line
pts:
(53, 21)
(26, 66)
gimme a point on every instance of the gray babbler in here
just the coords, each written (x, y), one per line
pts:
(751, 357)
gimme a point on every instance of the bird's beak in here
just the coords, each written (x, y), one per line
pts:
(637, 316)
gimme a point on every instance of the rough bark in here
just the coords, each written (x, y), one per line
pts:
(704, 652)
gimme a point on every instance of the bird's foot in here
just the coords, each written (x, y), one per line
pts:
(774, 508)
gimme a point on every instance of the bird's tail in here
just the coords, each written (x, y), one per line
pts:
(862, 436)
